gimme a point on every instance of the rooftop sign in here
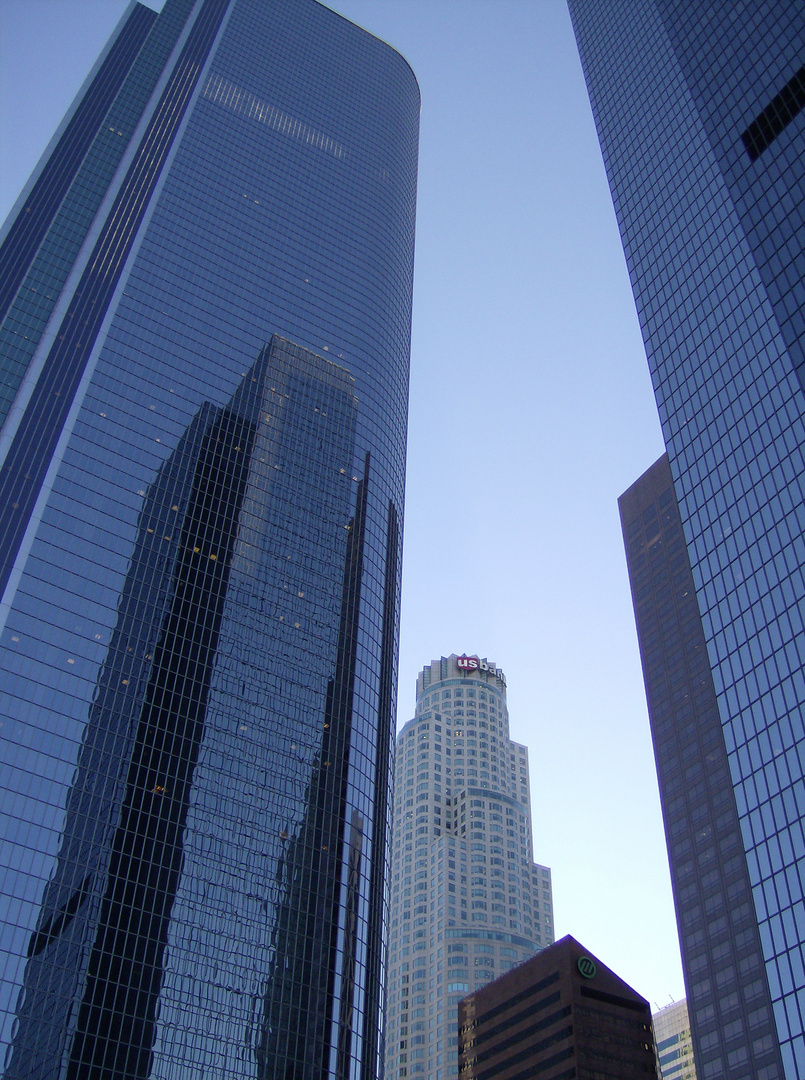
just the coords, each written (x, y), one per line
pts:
(473, 663)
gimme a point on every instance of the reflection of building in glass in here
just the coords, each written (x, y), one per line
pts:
(185, 637)
(200, 552)
(674, 1043)
(467, 900)
(699, 109)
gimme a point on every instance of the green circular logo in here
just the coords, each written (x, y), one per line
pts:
(586, 967)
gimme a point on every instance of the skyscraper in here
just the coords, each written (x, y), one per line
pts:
(206, 311)
(731, 1016)
(699, 113)
(674, 1043)
(467, 900)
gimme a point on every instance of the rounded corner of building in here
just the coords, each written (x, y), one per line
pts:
(408, 73)
(409, 69)
(387, 47)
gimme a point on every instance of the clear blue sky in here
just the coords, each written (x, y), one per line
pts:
(531, 411)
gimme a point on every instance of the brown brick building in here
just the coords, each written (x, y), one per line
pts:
(563, 1015)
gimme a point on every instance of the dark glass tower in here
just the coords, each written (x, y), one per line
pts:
(205, 296)
(729, 998)
(699, 113)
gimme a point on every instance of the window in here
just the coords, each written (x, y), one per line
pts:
(777, 115)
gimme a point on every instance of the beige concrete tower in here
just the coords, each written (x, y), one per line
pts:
(467, 900)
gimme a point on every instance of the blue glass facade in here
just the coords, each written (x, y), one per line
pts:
(203, 468)
(704, 144)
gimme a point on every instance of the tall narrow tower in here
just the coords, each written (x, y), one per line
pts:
(467, 900)
(205, 304)
(718, 930)
(699, 109)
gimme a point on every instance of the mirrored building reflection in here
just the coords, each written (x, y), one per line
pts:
(202, 472)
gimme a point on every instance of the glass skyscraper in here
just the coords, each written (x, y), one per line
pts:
(205, 294)
(468, 902)
(699, 113)
(674, 1043)
(732, 1015)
